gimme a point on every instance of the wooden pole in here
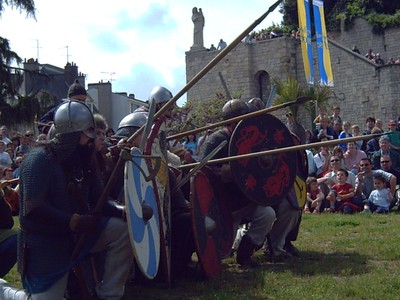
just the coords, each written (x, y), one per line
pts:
(264, 111)
(287, 149)
(209, 66)
(120, 163)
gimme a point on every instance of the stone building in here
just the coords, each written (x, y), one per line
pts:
(361, 88)
(49, 84)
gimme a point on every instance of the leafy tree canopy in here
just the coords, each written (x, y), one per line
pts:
(379, 13)
(7, 56)
(10, 114)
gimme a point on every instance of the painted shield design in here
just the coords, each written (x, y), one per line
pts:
(142, 215)
(264, 179)
(156, 146)
(298, 194)
(212, 221)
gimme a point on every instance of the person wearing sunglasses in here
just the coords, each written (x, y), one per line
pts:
(387, 166)
(386, 149)
(365, 182)
(330, 178)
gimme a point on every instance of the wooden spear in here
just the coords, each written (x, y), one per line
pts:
(120, 163)
(287, 149)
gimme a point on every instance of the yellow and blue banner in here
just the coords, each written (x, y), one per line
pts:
(324, 58)
(303, 8)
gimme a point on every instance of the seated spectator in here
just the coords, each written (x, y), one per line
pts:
(385, 149)
(397, 61)
(10, 152)
(325, 132)
(365, 184)
(192, 144)
(330, 178)
(337, 128)
(345, 134)
(378, 60)
(391, 61)
(5, 159)
(18, 163)
(4, 135)
(341, 196)
(336, 114)
(369, 124)
(25, 145)
(221, 44)
(7, 174)
(387, 166)
(373, 144)
(352, 157)
(379, 124)
(355, 131)
(312, 168)
(380, 198)
(212, 47)
(8, 237)
(370, 55)
(355, 49)
(394, 136)
(321, 160)
(339, 152)
(15, 142)
(188, 157)
(309, 135)
(318, 119)
(315, 196)
(273, 34)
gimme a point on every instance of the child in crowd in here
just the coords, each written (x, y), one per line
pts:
(318, 120)
(314, 196)
(380, 198)
(345, 134)
(338, 151)
(341, 195)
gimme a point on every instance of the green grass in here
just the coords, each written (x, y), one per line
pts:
(342, 257)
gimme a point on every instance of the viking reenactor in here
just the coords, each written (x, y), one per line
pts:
(260, 217)
(182, 244)
(76, 92)
(59, 188)
(126, 128)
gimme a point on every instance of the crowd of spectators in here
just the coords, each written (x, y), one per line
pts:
(376, 57)
(346, 174)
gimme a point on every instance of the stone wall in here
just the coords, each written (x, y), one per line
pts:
(361, 88)
(361, 34)
(241, 68)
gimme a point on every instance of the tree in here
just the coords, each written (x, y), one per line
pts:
(288, 90)
(378, 13)
(8, 87)
(7, 56)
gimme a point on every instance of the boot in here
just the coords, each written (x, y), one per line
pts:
(245, 251)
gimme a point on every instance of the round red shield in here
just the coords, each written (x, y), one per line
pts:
(264, 179)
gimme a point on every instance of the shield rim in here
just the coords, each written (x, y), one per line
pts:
(143, 255)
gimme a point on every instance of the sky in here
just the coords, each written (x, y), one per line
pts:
(134, 44)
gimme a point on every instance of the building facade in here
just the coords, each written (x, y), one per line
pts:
(361, 88)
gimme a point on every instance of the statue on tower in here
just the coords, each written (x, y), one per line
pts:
(198, 21)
